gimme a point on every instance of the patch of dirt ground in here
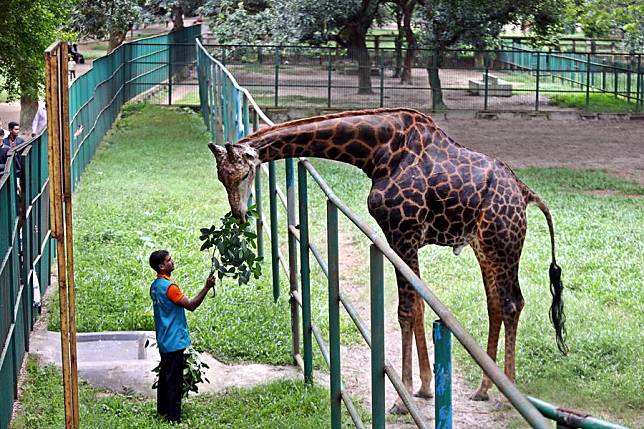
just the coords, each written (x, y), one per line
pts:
(613, 145)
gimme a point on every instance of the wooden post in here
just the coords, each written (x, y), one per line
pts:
(61, 218)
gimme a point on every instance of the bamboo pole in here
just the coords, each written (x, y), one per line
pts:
(67, 195)
(56, 86)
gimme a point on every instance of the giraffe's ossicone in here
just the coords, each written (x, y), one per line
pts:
(426, 189)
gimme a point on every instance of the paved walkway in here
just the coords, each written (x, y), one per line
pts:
(119, 362)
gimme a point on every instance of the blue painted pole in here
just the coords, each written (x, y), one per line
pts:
(442, 375)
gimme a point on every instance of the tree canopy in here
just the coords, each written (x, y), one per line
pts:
(27, 28)
(610, 18)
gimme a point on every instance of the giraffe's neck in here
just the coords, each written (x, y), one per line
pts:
(365, 139)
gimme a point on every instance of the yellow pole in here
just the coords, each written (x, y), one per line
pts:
(56, 90)
(67, 195)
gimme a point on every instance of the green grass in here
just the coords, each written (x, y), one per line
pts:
(599, 245)
(597, 102)
(94, 53)
(149, 188)
(191, 98)
(281, 404)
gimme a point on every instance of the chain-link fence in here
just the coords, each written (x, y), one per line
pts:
(513, 78)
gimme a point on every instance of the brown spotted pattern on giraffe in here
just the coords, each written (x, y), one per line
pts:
(426, 189)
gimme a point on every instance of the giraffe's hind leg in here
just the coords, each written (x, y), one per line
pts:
(512, 305)
(495, 319)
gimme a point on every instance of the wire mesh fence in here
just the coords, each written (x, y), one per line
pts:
(512, 78)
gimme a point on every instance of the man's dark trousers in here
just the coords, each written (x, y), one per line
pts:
(170, 385)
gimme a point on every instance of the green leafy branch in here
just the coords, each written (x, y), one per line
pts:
(193, 372)
(233, 247)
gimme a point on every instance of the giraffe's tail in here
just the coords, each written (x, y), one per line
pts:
(557, 316)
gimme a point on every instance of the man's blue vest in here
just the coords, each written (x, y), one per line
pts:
(169, 319)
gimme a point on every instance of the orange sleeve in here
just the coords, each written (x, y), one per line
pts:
(174, 294)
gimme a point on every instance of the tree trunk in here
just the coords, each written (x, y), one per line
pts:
(398, 45)
(435, 81)
(410, 53)
(28, 108)
(358, 51)
(177, 18)
(115, 40)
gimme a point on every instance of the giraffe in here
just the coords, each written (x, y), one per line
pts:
(426, 189)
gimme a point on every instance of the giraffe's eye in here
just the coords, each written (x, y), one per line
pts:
(245, 176)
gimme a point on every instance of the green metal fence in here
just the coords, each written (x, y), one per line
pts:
(96, 98)
(231, 113)
(504, 79)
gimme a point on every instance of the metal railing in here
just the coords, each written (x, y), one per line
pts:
(228, 110)
(325, 78)
(230, 113)
(26, 251)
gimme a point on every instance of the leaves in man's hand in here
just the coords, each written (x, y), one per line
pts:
(233, 243)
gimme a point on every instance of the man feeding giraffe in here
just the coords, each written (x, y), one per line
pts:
(426, 189)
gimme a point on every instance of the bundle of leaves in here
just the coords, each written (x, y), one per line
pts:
(193, 372)
(233, 247)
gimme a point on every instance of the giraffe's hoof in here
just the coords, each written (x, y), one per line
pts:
(424, 393)
(398, 409)
(480, 396)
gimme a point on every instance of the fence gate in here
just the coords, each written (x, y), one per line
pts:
(57, 96)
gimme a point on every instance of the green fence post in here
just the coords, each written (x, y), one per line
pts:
(381, 63)
(305, 272)
(628, 81)
(434, 65)
(258, 198)
(615, 78)
(377, 339)
(334, 314)
(328, 85)
(536, 98)
(275, 262)
(170, 75)
(277, 74)
(292, 256)
(638, 102)
(442, 375)
(587, 81)
(486, 77)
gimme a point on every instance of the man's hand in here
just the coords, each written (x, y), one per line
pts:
(210, 284)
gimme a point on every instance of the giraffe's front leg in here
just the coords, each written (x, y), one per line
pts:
(425, 390)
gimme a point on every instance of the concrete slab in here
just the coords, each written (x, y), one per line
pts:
(119, 362)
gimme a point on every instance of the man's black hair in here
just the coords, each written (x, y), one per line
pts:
(156, 258)
(12, 125)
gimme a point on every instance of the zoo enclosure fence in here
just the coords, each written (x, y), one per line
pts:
(513, 77)
(230, 113)
(131, 71)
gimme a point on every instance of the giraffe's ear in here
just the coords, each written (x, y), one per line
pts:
(230, 149)
(217, 150)
(250, 155)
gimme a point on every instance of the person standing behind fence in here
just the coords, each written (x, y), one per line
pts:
(172, 334)
(40, 119)
(71, 67)
(10, 142)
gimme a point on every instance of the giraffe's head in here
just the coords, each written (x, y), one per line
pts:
(236, 165)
